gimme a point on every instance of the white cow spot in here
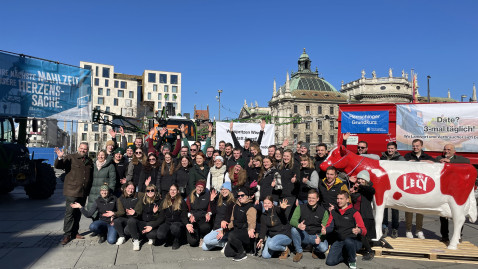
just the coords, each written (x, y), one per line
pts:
(378, 172)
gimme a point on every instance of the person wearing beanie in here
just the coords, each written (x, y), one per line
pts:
(199, 214)
(105, 205)
(110, 147)
(130, 153)
(216, 176)
(362, 196)
(121, 168)
(103, 172)
(221, 209)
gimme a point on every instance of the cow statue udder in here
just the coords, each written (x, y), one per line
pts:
(434, 189)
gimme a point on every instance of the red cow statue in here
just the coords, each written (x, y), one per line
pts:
(434, 189)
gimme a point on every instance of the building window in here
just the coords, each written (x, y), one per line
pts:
(115, 101)
(319, 125)
(149, 96)
(128, 103)
(307, 125)
(107, 83)
(85, 127)
(84, 136)
(97, 137)
(166, 88)
(108, 92)
(106, 72)
(107, 109)
(98, 107)
(100, 91)
(123, 84)
(116, 84)
(95, 146)
(104, 128)
(163, 78)
(174, 89)
(159, 105)
(331, 110)
(174, 79)
(130, 138)
(332, 125)
(131, 94)
(86, 66)
(101, 100)
(105, 137)
(120, 93)
(159, 96)
(97, 82)
(155, 88)
(295, 108)
(166, 97)
(307, 139)
(320, 138)
(307, 109)
(151, 77)
(332, 139)
(94, 127)
(319, 110)
(296, 137)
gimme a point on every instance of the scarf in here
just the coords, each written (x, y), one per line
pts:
(100, 164)
(217, 177)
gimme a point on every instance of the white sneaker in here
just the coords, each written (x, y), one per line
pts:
(150, 241)
(409, 235)
(120, 241)
(222, 250)
(420, 235)
(136, 245)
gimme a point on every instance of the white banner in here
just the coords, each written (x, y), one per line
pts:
(438, 125)
(244, 131)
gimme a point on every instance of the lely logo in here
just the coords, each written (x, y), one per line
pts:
(415, 183)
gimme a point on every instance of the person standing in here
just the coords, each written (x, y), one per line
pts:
(79, 170)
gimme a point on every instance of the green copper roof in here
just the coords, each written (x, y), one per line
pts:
(304, 55)
(311, 84)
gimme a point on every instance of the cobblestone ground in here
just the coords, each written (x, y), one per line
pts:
(30, 232)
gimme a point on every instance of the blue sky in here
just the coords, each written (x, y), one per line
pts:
(241, 46)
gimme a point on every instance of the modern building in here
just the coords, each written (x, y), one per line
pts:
(47, 134)
(126, 95)
(310, 98)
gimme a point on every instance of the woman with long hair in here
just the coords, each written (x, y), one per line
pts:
(278, 157)
(199, 171)
(275, 224)
(308, 178)
(103, 172)
(149, 212)
(172, 219)
(166, 178)
(181, 176)
(255, 171)
(221, 209)
(105, 205)
(289, 172)
(270, 183)
(149, 172)
(128, 207)
(135, 166)
(238, 178)
(199, 213)
(217, 173)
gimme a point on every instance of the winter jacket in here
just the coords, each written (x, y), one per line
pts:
(123, 203)
(221, 212)
(200, 207)
(146, 172)
(195, 174)
(165, 181)
(169, 215)
(312, 182)
(342, 221)
(101, 205)
(395, 157)
(313, 218)
(274, 222)
(289, 189)
(216, 178)
(79, 174)
(243, 216)
(181, 177)
(328, 195)
(106, 174)
(364, 196)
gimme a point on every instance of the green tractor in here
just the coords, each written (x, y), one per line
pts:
(17, 169)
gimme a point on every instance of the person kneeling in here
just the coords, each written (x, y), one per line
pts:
(347, 226)
(307, 221)
(275, 225)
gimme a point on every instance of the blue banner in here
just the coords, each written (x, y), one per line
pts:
(32, 87)
(365, 122)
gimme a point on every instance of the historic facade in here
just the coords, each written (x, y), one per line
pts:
(311, 98)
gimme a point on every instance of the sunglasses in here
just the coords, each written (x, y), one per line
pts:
(149, 190)
(138, 152)
(194, 150)
(241, 195)
(152, 159)
(361, 147)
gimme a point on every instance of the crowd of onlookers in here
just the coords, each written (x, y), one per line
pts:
(231, 198)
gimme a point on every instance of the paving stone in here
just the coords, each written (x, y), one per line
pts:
(126, 254)
(96, 256)
(58, 258)
(21, 257)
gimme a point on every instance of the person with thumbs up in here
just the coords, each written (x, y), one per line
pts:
(307, 223)
(345, 226)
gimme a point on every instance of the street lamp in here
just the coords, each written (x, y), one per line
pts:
(428, 84)
(219, 100)
(463, 97)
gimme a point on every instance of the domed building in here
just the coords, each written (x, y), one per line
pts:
(310, 98)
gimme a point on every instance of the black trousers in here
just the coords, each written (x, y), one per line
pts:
(236, 240)
(135, 228)
(444, 228)
(167, 229)
(201, 228)
(120, 225)
(370, 226)
(71, 223)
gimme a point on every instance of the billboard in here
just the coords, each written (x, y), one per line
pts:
(243, 131)
(438, 125)
(365, 122)
(31, 87)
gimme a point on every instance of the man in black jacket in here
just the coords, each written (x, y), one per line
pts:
(246, 154)
(321, 155)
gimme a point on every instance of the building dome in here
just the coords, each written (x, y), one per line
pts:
(310, 84)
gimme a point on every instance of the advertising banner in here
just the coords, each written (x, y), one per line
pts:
(244, 131)
(365, 122)
(36, 88)
(438, 125)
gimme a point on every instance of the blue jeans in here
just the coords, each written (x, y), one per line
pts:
(336, 256)
(210, 241)
(277, 243)
(101, 227)
(300, 238)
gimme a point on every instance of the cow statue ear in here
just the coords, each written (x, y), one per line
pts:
(343, 150)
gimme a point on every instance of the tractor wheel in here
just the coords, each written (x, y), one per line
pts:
(45, 183)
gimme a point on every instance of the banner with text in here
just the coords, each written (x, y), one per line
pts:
(244, 131)
(438, 125)
(365, 122)
(36, 88)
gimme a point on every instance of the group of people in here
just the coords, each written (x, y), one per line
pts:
(231, 198)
